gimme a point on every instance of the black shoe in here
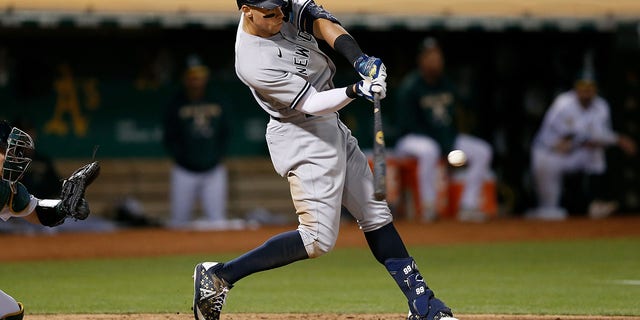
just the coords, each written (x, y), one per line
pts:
(210, 291)
(439, 316)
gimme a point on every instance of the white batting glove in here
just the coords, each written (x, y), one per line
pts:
(379, 86)
(367, 89)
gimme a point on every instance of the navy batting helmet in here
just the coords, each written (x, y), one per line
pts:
(265, 4)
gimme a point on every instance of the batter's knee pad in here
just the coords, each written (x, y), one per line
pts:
(420, 298)
(16, 315)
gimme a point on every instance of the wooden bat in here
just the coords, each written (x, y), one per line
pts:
(379, 161)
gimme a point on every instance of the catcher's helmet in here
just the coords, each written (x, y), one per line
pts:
(17, 156)
(265, 4)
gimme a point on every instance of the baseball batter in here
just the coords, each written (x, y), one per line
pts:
(278, 58)
(573, 136)
(17, 202)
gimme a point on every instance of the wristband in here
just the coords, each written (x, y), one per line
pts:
(49, 214)
(351, 92)
(346, 45)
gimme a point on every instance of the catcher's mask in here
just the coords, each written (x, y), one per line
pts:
(16, 159)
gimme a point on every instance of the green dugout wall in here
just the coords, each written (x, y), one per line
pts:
(107, 83)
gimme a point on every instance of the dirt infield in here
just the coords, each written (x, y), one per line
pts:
(154, 242)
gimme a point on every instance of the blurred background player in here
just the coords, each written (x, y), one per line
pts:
(15, 146)
(291, 79)
(195, 136)
(427, 108)
(572, 138)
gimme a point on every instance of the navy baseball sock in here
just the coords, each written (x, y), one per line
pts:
(421, 299)
(385, 243)
(278, 251)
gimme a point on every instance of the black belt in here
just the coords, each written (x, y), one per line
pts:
(306, 116)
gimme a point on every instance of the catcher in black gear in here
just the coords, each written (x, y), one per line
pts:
(15, 147)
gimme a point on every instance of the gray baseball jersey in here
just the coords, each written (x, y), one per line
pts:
(280, 69)
(318, 155)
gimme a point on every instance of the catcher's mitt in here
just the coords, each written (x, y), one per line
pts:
(72, 194)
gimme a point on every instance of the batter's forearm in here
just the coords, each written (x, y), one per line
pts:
(325, 102)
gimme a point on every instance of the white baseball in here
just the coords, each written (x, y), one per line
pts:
(457, 158)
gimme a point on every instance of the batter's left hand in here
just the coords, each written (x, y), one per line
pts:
(370, 68)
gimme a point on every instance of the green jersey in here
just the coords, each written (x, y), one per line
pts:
(196, 132)
(428, 109)
(17, 204)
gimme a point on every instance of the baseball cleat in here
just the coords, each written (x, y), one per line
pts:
(210, 291)
(439, 316)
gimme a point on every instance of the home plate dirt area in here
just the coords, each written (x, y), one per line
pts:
(154, 242)
(316, 316)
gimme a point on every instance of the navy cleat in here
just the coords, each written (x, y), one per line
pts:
(210, 291)
(441, 315)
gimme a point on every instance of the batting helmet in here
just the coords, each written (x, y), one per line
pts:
(265, 4)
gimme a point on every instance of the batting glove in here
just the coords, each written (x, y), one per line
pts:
(368, 89)
(370, 67)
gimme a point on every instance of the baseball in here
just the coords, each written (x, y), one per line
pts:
(457, 158)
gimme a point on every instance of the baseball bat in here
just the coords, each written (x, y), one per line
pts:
(379, 161)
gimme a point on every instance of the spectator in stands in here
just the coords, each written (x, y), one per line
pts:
(427, 105)
(572, 138)
(195, 136)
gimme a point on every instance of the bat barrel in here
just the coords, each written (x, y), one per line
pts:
(379, 159)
